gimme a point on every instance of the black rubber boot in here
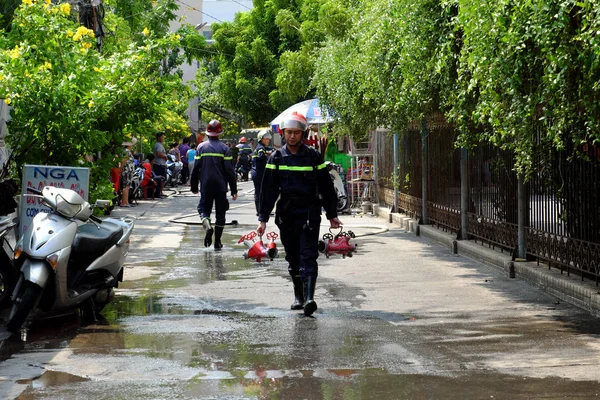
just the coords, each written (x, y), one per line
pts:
(209, 231)
(309, 294)
(298, 303)
(218, 233)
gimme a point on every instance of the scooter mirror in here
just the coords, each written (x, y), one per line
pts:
(102, 204)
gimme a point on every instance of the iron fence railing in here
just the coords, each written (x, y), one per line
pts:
(567, 254)
(411, 205)
(445, 217)
(563, 222)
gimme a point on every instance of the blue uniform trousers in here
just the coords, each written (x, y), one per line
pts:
(205, 206)
(257, 189)
(300, 238)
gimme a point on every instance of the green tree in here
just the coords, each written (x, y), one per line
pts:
(7, 9)
(386, 69)
(70, 101)
(530, 66)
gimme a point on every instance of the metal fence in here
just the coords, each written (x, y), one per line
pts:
(563, 227)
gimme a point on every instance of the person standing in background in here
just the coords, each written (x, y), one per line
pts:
(160, 158)
(127, 171)
(244, 160)
(259, 162)
(191, 157)
(183, 149)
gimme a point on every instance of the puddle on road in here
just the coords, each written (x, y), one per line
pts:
(158, 341)
(52, 378)
(192, 263)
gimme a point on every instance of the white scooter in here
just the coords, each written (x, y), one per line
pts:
(338, 185)
(174, 168)
(68, 258)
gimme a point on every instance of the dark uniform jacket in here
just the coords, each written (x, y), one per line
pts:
(259, 162)
(214, 168)
(245, 151)
(303, 182)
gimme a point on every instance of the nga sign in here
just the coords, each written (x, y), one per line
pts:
(38, 176)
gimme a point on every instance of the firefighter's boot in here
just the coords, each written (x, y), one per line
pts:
(309, 294)
(218, 233)
(209, 231)
(298, 303)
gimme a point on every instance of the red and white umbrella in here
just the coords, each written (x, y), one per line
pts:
(311, 109)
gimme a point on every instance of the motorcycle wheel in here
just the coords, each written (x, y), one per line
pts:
(22, 306)
(342, 203)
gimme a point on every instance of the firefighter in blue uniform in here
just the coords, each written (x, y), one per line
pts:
(214, 169)
(244, 161)
(259, 162)
(298, 174)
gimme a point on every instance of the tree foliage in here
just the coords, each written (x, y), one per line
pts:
(385, 71)
(528, 67)
(519, 75)
(70, 101)
(265, 57)
(524, 73)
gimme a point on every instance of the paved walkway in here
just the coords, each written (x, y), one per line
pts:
(583, 294)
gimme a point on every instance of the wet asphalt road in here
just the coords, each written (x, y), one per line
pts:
(402, 319)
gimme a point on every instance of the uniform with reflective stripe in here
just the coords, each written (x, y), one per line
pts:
(214, 169)
(259, 162)
(297, 178)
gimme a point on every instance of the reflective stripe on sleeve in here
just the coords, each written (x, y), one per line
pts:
(212, 155)
(292, 168)
(228, 158)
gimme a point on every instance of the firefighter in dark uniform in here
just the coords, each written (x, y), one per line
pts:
(298, 174)
(244, 161)
(213, 167)
(259, 162)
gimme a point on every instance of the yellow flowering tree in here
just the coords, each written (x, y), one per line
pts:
(70, 100)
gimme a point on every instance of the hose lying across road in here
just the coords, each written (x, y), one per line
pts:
(378, 229)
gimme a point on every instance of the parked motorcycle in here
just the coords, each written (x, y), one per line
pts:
(174, 168)
(68, 258)
(135, 190)
(7, 268)
(338, 185)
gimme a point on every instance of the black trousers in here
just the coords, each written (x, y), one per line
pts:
(221, 203)
(185, 172)
(160, 170)
(300, 238)
(257, 188)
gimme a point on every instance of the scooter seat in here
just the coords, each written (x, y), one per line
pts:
(91, 241)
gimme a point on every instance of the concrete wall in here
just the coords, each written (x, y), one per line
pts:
(196, 13)
(4, 116)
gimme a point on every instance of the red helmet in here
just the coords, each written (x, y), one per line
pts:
(214, 128)
(243, 139)
(293, 120)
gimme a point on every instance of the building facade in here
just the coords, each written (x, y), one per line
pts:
(202, 14)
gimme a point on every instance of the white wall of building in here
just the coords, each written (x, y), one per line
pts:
(4, 117)
(196, 13)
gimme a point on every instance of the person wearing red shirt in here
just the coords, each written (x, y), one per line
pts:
(149, 177)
